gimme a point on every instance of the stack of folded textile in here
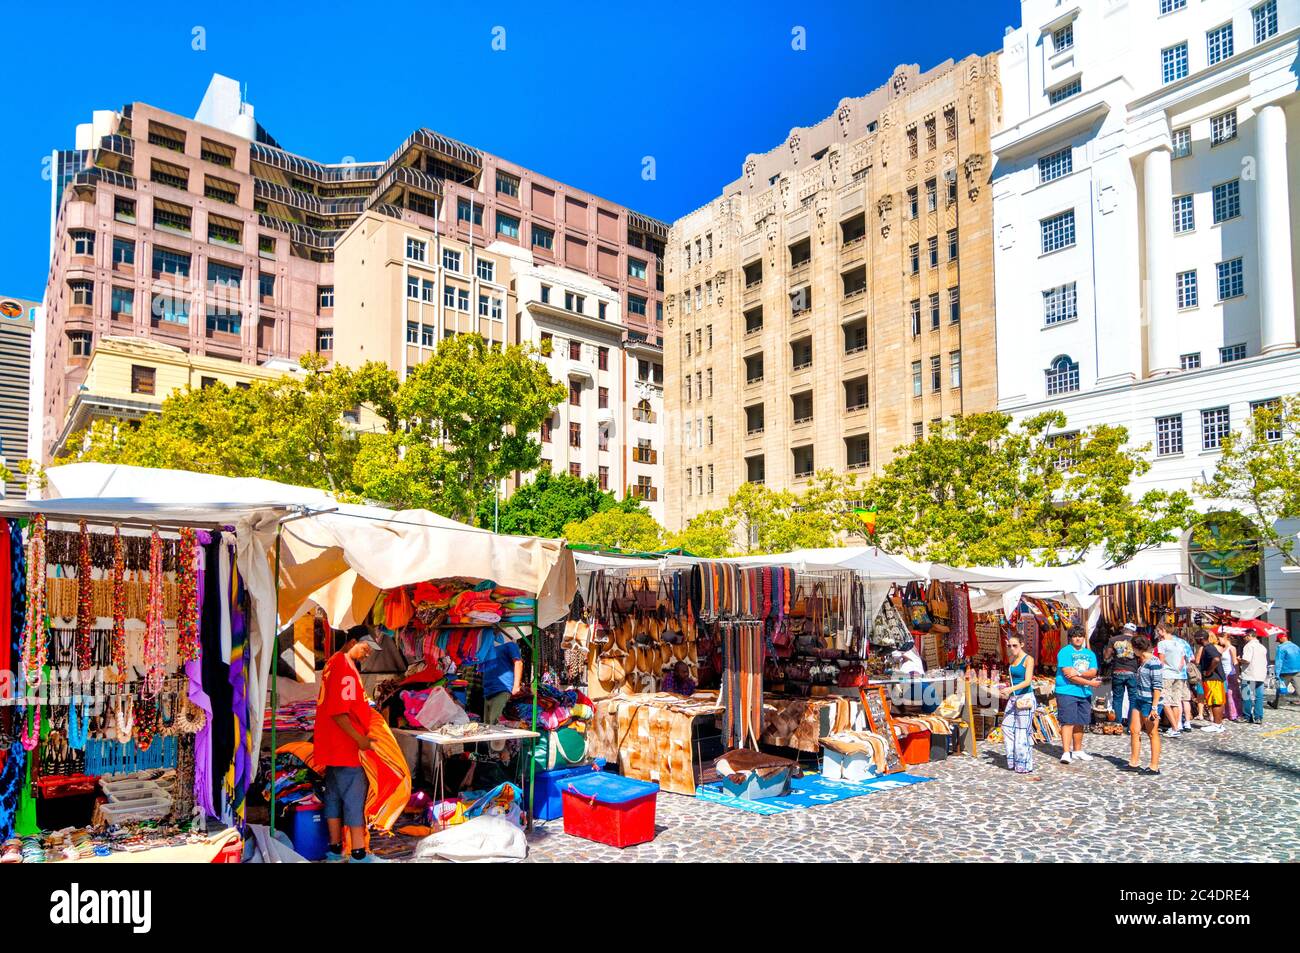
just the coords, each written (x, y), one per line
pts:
(295, 716)
(474, 608)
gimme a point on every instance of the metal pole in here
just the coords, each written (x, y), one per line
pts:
(275, 674)
(532, 760)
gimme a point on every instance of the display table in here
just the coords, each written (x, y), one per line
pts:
(649, 736)
(439, 741)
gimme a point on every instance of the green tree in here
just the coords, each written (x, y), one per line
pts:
(773, 521)
(461, 422)
(708, 535)
(1258, 481)
(982, 492)
(546, 504)
(634, 531)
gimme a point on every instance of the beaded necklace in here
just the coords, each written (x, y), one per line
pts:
(34, 648)
(78, 729)
(118, 642)
(187, 629)
(85, 601)
(154, 633)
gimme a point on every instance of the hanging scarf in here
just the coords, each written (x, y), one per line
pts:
(35, 647)
(238, 777)
(11, 786)
(155, 649)
(7, 593)
(216, 675)
(117, 644)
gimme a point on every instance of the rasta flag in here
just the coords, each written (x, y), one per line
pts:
(868, 518)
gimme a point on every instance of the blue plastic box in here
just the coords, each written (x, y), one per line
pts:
(548, 790)
(754, 788)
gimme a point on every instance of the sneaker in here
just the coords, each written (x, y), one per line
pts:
(1212, 729)
(370, 859)
(333, 858)
(1082, 756)
(1065, 757)
(1172, 732)
(1151, 772)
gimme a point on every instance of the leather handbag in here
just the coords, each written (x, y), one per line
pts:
(937, 601)
(799, 605)
(647, 599)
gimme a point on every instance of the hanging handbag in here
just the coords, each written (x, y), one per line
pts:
(647, 599)
(799, 605)
(623, 601)
(938, 602)
(918, 617)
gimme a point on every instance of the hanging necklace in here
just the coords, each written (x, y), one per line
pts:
(146, 722)
(85, 601)
(154, 634)
(124, 718)
(117, 650)
(30, 740)
(78, 729)
(187, 628)
(34, 632)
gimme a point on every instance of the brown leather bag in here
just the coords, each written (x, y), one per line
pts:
(799, 605)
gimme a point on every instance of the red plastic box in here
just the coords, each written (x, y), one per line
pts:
(610, 809)
(915, 747)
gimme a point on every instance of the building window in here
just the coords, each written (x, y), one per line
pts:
(123, 302)
(604, 478)
(170, 262)
(914, 258)
(1169, 6)
(575, 434)
(266, 284)
(575, 394)
(932, 247)
(636, 268)
(916, 317)
(913, 203)
(911, 143)
(575, 470)
(1188, 295)
(954, 306)
(1184, 214)
(636, 305)
(1060, 304)
(931, 139)
(1064, 92)
(1233, 352)
(952, 244)
(575, 302)
(1215, 425)
(1190, 362)
(1169, 435)
(1265, 19)
(426, 291)
(175, 310)
(602, 438)
(1219, 43)
(936, 373)
(1058, 231)
(79, 343)
(324, 297)
(575, 350)
(950, 178)
(507, 225)
(1232, 280)
(1056, 165)
(83, 292)
(416, 250)
(486, 269)
(142, 379)
(916, 379)
(1223, 127)
(1173, 63)
(934, 312)
(548, 426)
(918, 432)
(412, 332)
(451, 260)
(1062, 376)
(1182, 142)
(508, 184)
(543, 237)
(949, 123)
(602, 397)
(546, 294)
(467, 211)
(462, 299)
(324, 339)
(1063, 39)
(954, 363)
(602, 358)
(1266, 413)
(123, 209)
(931, 195)
(83, 243)
(123, 251)
(413, 290)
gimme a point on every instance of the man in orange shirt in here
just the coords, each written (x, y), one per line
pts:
(342, 715)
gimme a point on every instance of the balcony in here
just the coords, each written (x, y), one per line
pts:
(645, 455)
(859, 466)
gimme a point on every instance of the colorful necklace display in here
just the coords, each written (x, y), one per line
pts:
(34, 638)
(155, 648)
(117, 654)
(146, 722)
(79, 729)
(85, 602)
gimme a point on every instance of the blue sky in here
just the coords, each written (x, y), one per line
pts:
(696, 86)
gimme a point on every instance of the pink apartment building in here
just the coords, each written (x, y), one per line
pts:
(206, 234)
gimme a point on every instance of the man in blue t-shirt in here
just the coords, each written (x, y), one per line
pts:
(502, 671)
(1076, 677)
(1287, 664)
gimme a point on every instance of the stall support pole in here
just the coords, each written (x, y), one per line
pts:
(275, 675)
(532, 760)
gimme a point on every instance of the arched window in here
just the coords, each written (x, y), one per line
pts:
(1062, 376)
(643, 412)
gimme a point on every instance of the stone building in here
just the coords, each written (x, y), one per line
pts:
(836, 301)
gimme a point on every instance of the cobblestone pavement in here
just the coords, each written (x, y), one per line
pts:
(1220, 797)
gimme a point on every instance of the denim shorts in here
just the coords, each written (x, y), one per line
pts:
(345, 795)
(1073, 710)
(1143, 707)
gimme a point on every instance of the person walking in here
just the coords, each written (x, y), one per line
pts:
(1195, 701)
(1254, 673)
(1076, 677)
(1287, 663)
(1123, 672)
(1173, 671)
(1144, 718)
(1018, 721)
(1210, 661)
(1231, 677)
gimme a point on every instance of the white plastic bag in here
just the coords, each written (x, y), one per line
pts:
(441, 709)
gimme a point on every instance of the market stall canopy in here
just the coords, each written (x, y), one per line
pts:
(868, 560)
(1245, 607)
(589, 562)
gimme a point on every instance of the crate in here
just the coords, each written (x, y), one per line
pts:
(609, 809)
(548, 790)
(915, 747)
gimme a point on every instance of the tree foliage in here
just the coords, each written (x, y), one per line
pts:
(1257, 481)
(617, 528)
(546, 504)
(982, 492)
(708, 535)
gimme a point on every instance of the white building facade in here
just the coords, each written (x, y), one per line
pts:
(1145, 235)
(609, 425)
